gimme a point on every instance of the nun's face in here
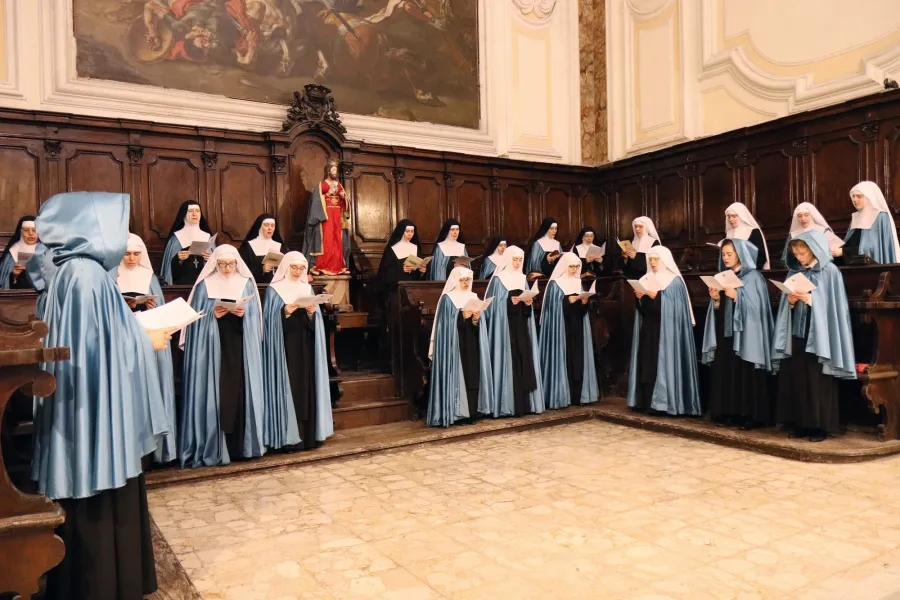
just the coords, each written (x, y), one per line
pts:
(859, 200)
(501, 248)
(589, 237)
(733, 220)
(804, 218)
(639, 229)
(551, 233)
(268, 229)
(409, 233)
(193, 214)
(132, 258)
(29, 234)
(654, 263)
(454, 233)
(517, 262)
(297, 271)
(573, 269)
(730, 257)
(802, 253)
(226, 265)
(465, 283)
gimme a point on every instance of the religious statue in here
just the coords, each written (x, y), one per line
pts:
(327, 240)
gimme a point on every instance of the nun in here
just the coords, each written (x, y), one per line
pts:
(223, 395)
(493, 255)
(591, 267)
(645, 237)
(543, 250)
(106, 412)
(512, 334)
(663, 374)
(135, 278)
(872, 231)
(403, 243)
(298, 398)
(566, 344)
(178, 266)
(262, 237)
(737, 343)
(460, 386)
(23, 242)
(808, 218)
(813, 343)
(740, 225)
(448, 247)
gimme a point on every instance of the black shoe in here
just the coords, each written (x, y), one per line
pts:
(798, 433)
(749, 425)
(819, 436)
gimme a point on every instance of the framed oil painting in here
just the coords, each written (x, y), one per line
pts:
(415, 60)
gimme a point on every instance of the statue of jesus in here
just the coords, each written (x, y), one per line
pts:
(327, 240)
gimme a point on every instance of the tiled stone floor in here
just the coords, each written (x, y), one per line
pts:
(577, 511)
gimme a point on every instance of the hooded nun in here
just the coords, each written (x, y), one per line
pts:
(540, 247)
(256, 245)
(107, 410)
(663, 372)
(140, 281)
(493, 255)
(737, 345)
(223, 395)
(567, 348)
(460, 362)
(182, 235)
(872, 231)
(635, 268)
(747, 229)
(298, 398)
(445, 250)
(580, 248)
(813, 345)
(512, 334)
(9, 280)
(816, 223)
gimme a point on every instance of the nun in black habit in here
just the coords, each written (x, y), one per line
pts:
(262, 237)
(404, 243)
(543, 250)
(178, 266)
(592, 267)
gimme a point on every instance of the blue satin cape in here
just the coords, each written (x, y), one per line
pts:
(830, 334)
(437, 268)
(447, 389)
(676, 391)
(496, 321)
(536, 256)
(280, 423)
(6, 269)
(202, 441)
(748, 322)
(553, 353)
(487, 269)
(877, 242)
(107, 410)
(167, 448)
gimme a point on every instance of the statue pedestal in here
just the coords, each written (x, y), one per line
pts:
(339, 287)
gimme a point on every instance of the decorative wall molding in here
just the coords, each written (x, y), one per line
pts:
(10, 86)
(542, 10)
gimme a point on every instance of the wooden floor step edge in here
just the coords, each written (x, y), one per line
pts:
(370, 405)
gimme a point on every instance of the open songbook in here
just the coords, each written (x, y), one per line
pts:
(174, 315)
(199, 248)
(23, 257)
(596, 251)
(307, 301)
(273, 259)
(415, 262)
(642, 287)
(476, 305)
(529, 294)
(796, 284)
(233, 304)
(726, 280)
(625, 245)
(591, 292)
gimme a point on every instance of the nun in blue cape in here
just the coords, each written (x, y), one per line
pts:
(107, 410)
(460, 386)
(515, 361)
(663, 373)
(808, 218)
(223, 392)
(135, 278)
(813, 342)
(177, 267)
(737, 342)
(24, 241)
(493, 255)
(543, 249)
(566, 343)
(449, 246)
(298, 397)
(872, 230)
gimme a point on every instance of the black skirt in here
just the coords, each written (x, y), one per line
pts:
(524, 379)
(650, 310)
(109, 551)
(232, 413)
(300, 353)
(807, 398)
(573, 317)
(470, 357)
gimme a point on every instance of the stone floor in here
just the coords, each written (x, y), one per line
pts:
(574, 511)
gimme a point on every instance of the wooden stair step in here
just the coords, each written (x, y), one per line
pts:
(366, 387)
(364, 413)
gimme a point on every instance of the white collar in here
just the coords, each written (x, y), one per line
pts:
(262, 246)
(21, 246)
(218, 286)
(452, 248)
(404, 249)
(191, 233)
(549, 244)
(136, 279)
(290, 290)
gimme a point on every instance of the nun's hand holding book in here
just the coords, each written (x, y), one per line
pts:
(220, 311)
(183, 255)
(731, 293)
(238, 312)
(714, 293)
(311, 311)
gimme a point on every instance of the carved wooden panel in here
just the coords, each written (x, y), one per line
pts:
(95, 171)
(837, 165)
(772, 190)
(515, 225)
(474, 200)
(18, 187)
(372, 204)
(892, 168)
(306, 171)
(243, 197)
(171, 180)
(671, 207)
(594, 212)
(424, 206)
(717, 192)
(557, 204)
(629, 206)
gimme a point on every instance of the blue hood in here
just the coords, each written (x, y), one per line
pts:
(816, 241)
(85, 225)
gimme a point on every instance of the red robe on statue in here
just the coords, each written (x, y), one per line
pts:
(331, 262)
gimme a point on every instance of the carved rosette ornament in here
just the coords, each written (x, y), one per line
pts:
(646, 180)
(52, 148)
(741, 158)
(279, 163)
(314, 108)
(135, 154)
(541, 10)
(537, 187)
(579, 191)
(870, 130)
(494, 183)
(399, 174)
(210, 160)
(800, 147)
(347, 169)
(449, 180)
